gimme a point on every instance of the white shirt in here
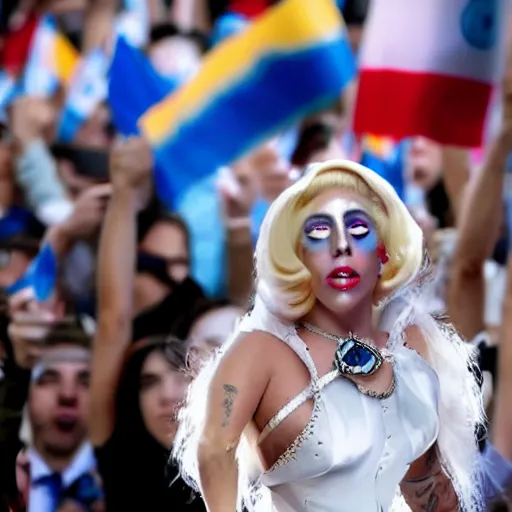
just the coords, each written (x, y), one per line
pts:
(40, 499)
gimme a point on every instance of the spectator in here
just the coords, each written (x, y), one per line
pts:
(61, 461)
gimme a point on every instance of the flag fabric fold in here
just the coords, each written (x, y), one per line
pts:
(133, 87)
(293, 60)
(133, 22)
(87, 90)
(7, 88)
(384, 156)
(52, 60)
(40, 276)
(436, 78)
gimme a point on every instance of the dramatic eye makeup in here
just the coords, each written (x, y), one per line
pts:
(357, 223)
(318, 228)
(358, 228)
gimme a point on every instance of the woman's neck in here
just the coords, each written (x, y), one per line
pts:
(358, 321)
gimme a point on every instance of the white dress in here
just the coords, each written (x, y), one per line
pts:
(355, 450)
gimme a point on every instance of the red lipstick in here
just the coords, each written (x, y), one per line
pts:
(343, 279)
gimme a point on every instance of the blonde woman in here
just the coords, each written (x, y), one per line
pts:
(338, 391)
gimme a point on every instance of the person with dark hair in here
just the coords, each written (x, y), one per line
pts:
(163, 262)
(133, 461)
(136, 388)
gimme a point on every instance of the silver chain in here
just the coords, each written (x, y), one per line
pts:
(320, 332)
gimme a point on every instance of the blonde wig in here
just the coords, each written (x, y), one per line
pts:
(405, 292)
(283, 282)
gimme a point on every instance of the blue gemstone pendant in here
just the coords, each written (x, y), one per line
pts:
(355, 356)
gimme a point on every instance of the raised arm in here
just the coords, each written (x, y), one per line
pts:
(479, 227)
(456, 167)
(233, 397)
(502, 421)
(131, 165)
(99, 20)
(237, 201)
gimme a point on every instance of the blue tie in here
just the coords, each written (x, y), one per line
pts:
(53, 483)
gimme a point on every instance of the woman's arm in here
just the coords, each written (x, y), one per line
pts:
(99, 21)
(456, 167)
(502, 421)
(237, 202)
(240, 260)
(35, 169)
(130, 169)
(427, 487)
(478, 232)
(479, 226)
(233, 398)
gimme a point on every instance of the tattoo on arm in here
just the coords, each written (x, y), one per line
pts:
(433, 492)
(229, 397)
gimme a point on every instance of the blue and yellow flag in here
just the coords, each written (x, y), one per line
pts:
(293, 60)
(87, 90)
(133, 87)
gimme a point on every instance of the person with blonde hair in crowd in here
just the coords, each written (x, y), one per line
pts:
(339, 378)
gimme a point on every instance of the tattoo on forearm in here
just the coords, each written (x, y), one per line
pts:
(229, 397)
(432, 493)
(432, 504)
(422, 491)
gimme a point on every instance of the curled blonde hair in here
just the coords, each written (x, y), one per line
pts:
(283, 281)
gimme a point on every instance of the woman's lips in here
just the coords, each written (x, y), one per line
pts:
(343, 279)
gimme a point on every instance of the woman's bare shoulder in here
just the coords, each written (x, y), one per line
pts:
(258, 341)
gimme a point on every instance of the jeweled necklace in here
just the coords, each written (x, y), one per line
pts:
(356, 356)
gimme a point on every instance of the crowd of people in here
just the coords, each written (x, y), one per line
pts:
(94, 377)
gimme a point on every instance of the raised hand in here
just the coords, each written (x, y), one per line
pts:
(30, 118)
(88, 213)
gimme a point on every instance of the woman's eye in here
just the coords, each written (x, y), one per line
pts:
(358, 230)
(319, 232)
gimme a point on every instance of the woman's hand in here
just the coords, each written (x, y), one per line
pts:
(29, 326)
(30, 119)
(85, 220)
(131, 165)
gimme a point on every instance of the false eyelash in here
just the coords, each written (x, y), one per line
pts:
(358, 223)
(321, 227)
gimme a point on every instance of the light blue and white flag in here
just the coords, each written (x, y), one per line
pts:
(133, 23)
(88, 89)
(7, 88)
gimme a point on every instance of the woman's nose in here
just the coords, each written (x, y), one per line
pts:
(341, 246)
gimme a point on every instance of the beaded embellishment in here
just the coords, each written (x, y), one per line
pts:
(291, 452)
(357, 356)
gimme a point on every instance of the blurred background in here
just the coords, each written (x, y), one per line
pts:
(421, 94)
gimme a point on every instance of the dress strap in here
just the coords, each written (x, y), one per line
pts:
(311, 391)
(260, 318)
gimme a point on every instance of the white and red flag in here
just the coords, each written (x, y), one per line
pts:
(428, 67)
